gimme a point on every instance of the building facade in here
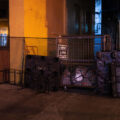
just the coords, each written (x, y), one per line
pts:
(25, 21)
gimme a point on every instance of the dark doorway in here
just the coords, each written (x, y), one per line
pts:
(4, 41)
(110, 19)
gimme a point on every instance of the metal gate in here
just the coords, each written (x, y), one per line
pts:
(78, 55)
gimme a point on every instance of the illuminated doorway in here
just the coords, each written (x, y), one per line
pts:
(98, 25)
(4, 15)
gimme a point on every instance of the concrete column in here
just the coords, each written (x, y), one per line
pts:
(16, 29)
(16, 18)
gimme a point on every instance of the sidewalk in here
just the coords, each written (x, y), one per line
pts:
(26, 104)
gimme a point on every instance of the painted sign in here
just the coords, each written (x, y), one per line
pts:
(63, 51)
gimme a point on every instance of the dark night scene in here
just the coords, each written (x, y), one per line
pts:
(59, 59)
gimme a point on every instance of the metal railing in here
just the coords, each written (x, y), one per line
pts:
(72, 50)
(81, 49)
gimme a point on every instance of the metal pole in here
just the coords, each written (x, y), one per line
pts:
(119, 37)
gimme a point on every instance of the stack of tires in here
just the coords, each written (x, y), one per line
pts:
(115, 68)
(103, 64)
(42, 73)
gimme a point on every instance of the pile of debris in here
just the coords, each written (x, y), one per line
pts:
(80, 76)
(105, 77)
(108, 73)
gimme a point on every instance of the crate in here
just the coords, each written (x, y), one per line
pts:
(42, 72)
